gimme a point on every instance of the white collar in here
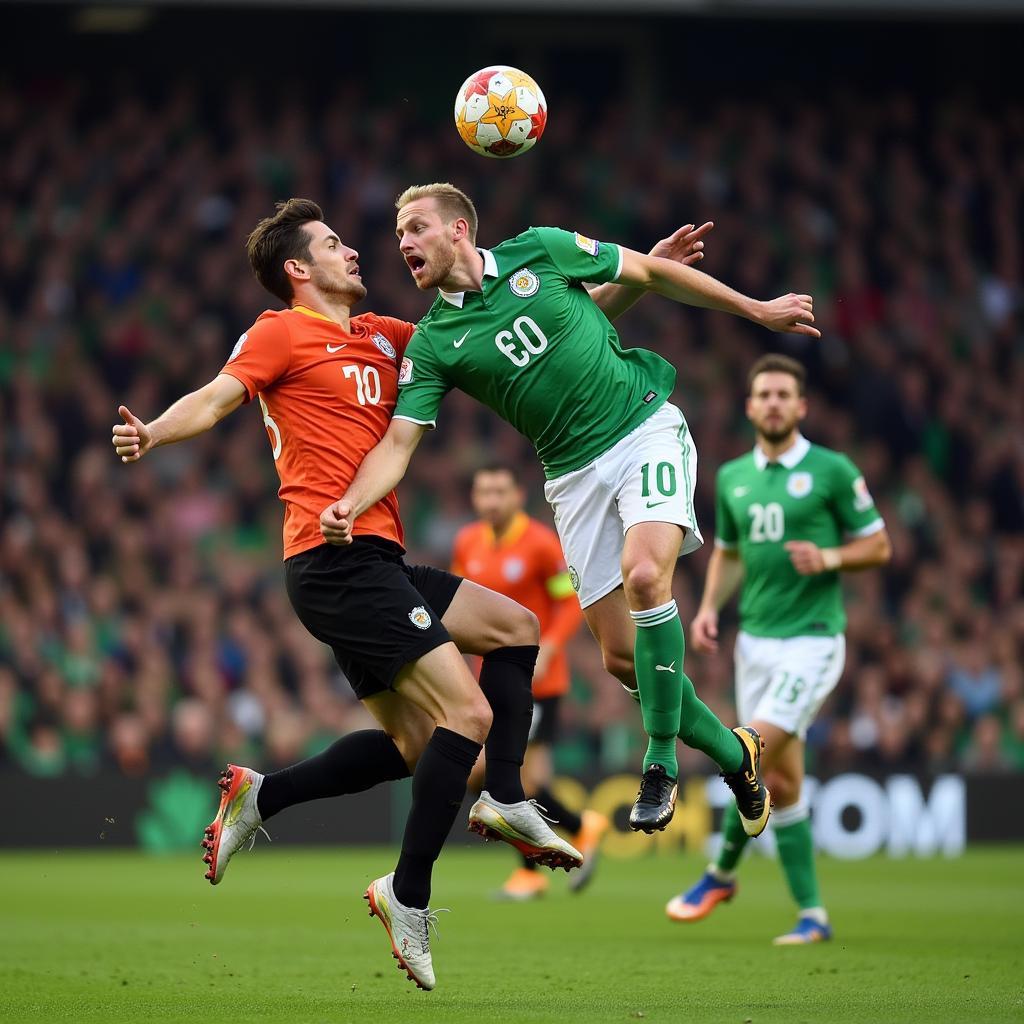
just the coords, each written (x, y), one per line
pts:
(790, 458)
(490, 270)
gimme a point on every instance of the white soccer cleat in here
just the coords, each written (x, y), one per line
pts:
(522, 826)
(407, 928)
(237, 819)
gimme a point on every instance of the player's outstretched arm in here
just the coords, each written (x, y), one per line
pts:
(193, 414)
(792, 314)
(378, 474)
(685, 245)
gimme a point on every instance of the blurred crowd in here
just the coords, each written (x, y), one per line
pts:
(143, 620)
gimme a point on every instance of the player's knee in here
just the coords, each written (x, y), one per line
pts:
(470, 717)
(646, 585)
(517, 628)
(524, 628)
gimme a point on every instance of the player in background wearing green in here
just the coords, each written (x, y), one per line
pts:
(790, 516)
(515, 328)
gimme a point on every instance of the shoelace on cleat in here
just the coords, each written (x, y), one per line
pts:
(251, 836)
(650, 788)
(542, 811)
(430, 921)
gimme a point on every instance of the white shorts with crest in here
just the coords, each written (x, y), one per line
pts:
(647, 477)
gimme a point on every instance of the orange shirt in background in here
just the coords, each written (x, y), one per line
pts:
(526, 564)
(327, 397)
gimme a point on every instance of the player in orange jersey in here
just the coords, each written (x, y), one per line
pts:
(508, 552)
(327, 384)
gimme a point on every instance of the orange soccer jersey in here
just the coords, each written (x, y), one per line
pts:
(526, 564)
(327, 397)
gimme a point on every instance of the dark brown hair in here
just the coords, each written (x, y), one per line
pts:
(775, 362)
(279, 238)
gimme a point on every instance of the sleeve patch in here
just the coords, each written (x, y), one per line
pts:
(236, 351)
(405, 373)
(590, 245)
(862, 499)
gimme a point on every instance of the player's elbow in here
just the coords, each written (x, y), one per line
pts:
(883, 549)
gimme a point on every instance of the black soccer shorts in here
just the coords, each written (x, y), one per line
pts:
(375, 612)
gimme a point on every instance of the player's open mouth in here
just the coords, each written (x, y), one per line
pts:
(416, 264)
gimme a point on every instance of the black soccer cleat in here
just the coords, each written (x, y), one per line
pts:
(656, 801)
(753, 800)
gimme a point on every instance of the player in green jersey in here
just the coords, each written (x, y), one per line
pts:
(790, 516)
(515, 328)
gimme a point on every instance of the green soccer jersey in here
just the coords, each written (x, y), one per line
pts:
(534, 347)
(811, 493)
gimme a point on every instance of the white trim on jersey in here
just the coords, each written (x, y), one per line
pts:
(458, 298)
(790, 458)
(618, 269)
(422, 423)
(867, 531)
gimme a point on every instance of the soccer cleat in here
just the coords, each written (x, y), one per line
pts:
(407, 928)
(523, 885)
(696, 903)
(593, 826)
(656, 801)
(237, 819)
(807, 930)
(522, 826)
(753, 800)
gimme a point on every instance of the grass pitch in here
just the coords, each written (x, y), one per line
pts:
(286, 937)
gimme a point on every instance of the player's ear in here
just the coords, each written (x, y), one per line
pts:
(460, 229)
(801, 409)
(297, 269)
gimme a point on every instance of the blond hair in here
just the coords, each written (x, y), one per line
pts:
(452, 202)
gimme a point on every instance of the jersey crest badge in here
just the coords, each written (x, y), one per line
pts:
(591, 245)
(862, 499)
(524, 283)
(799, 485)
(405, 372)
(513, 569)
(384, 345)
(238, 347)
(420, 617)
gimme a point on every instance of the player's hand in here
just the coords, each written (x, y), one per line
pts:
(685, 245)
(336, 522)
(132, 438)
(789, 314)
(704, 631)
(806, 557)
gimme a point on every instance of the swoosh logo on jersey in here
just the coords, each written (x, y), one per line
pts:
(655, 504)
(336, 348)
(738, 492)
(458, 344)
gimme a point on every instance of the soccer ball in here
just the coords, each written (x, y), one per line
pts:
(500, 112)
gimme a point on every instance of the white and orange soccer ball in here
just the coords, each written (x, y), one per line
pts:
(500, 112)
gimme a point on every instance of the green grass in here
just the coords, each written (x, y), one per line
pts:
(122, 937)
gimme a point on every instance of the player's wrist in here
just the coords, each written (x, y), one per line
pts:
(831, 559)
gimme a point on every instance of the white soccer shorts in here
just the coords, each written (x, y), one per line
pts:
(785, 681)
(647, 477)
